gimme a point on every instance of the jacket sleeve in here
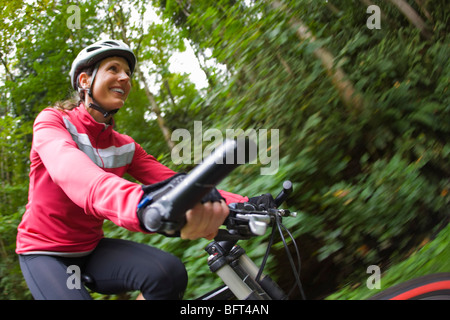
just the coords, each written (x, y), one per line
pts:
(232, 197)
(146, 169)
(99, 193)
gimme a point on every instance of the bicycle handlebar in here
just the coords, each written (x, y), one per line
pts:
(167, 214)
(287, 190)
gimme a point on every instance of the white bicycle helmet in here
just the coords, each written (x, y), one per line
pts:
(93, 54)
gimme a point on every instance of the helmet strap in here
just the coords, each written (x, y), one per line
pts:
(94, 74)
(105, 113)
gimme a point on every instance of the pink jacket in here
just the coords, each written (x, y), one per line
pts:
(76, 182)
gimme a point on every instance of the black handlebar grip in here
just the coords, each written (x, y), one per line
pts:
(167, 214)
(287, 190)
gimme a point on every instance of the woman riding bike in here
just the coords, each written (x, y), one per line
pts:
(77, 164)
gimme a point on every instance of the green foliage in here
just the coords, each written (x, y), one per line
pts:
(380, 210)
(14, 151)
(43, 48)
(434, 257)
(371, 182)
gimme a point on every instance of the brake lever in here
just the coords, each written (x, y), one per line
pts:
(257, 223)
(246, 220)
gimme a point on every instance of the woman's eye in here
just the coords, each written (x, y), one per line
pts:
(115, 69)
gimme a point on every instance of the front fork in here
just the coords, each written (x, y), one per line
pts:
(239, 273)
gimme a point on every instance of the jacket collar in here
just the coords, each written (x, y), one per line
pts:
(90, 123)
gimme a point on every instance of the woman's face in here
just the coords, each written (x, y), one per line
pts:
(112, 83)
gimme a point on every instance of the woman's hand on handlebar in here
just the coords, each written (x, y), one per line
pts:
(204, 220)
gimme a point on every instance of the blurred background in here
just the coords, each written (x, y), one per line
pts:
(359, 91)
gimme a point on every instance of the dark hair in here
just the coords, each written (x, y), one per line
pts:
(75, 97)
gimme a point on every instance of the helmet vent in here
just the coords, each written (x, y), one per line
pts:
(110, 43)
(92, 49)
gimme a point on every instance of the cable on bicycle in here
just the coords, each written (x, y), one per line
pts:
(291, 261)
(296, 272)
(266, 255)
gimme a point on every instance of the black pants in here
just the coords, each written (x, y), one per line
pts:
(116, 266)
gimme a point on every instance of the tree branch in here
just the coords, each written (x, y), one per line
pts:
(9, 75)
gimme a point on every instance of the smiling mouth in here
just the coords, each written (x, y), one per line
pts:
(120, 91)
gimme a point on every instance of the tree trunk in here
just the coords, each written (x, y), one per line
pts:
(199, 53)
(151, 98)
(413, 17)
(346, 90)
(155, 108)
(424, 10)
(169, 92)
